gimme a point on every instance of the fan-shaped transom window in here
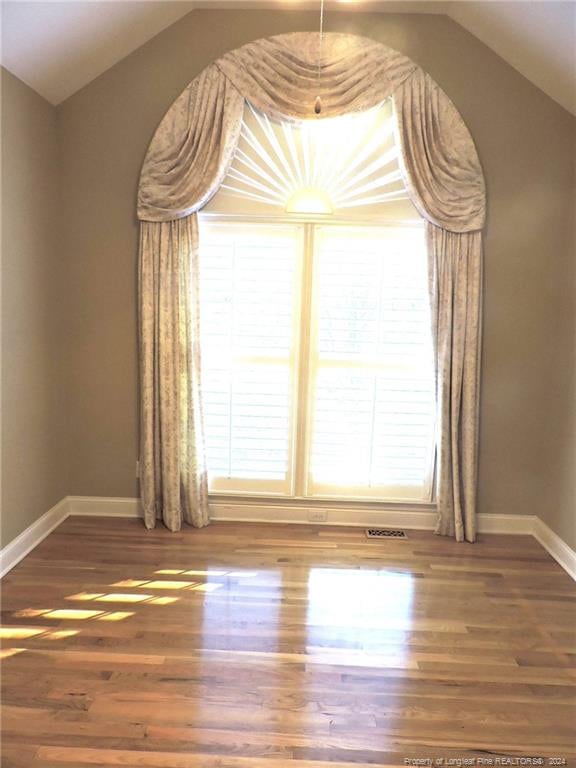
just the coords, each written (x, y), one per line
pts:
(346, 166)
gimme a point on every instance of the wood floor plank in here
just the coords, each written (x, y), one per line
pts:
(251, 646)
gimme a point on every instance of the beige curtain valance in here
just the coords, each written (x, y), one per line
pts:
(186, 163)
(194, 144)
(279, 75)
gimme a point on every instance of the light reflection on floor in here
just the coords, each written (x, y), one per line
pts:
(6, 652)
(350, 610)
(206, 583)
(347, 612)
(237, 601)
(11, 633)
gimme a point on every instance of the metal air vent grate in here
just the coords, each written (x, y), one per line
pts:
(385, 533)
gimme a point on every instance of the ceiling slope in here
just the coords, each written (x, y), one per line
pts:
(59, 47)
(536, 38)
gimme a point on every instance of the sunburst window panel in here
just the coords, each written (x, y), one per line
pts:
(342, 166)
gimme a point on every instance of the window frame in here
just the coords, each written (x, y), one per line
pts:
(300, 437)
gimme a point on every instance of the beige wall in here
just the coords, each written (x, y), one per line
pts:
(524, 140)
(559, 373)
(34, 460)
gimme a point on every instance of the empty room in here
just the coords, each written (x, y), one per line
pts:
(288, 402)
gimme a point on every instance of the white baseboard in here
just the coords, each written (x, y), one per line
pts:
(18, 548)
(102, 506)
(555, 546)
(350, 516)
(521, 525)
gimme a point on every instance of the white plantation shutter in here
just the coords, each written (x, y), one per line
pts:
(371, 396)
(249, 290)
(361, 424)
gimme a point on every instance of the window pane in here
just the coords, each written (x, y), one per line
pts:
(249, 292)
(372, 396)
(247, 421)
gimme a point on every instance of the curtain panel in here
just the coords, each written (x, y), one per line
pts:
(173, 476)
(455, 279)
(186, 163)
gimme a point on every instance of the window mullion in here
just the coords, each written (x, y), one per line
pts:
(302, 404)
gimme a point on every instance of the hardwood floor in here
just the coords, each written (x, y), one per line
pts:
(253, 646)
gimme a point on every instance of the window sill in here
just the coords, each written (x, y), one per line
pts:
(299, 502)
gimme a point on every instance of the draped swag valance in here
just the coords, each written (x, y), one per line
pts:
(186, 163)
(195, 142)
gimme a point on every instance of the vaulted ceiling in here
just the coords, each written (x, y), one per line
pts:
(58, 47)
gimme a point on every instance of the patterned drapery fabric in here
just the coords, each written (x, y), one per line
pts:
(455, 270)
(173, 476)
(186, 163)
(440, 164)
(191, 149)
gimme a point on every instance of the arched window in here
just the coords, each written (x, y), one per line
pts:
(320, 196)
